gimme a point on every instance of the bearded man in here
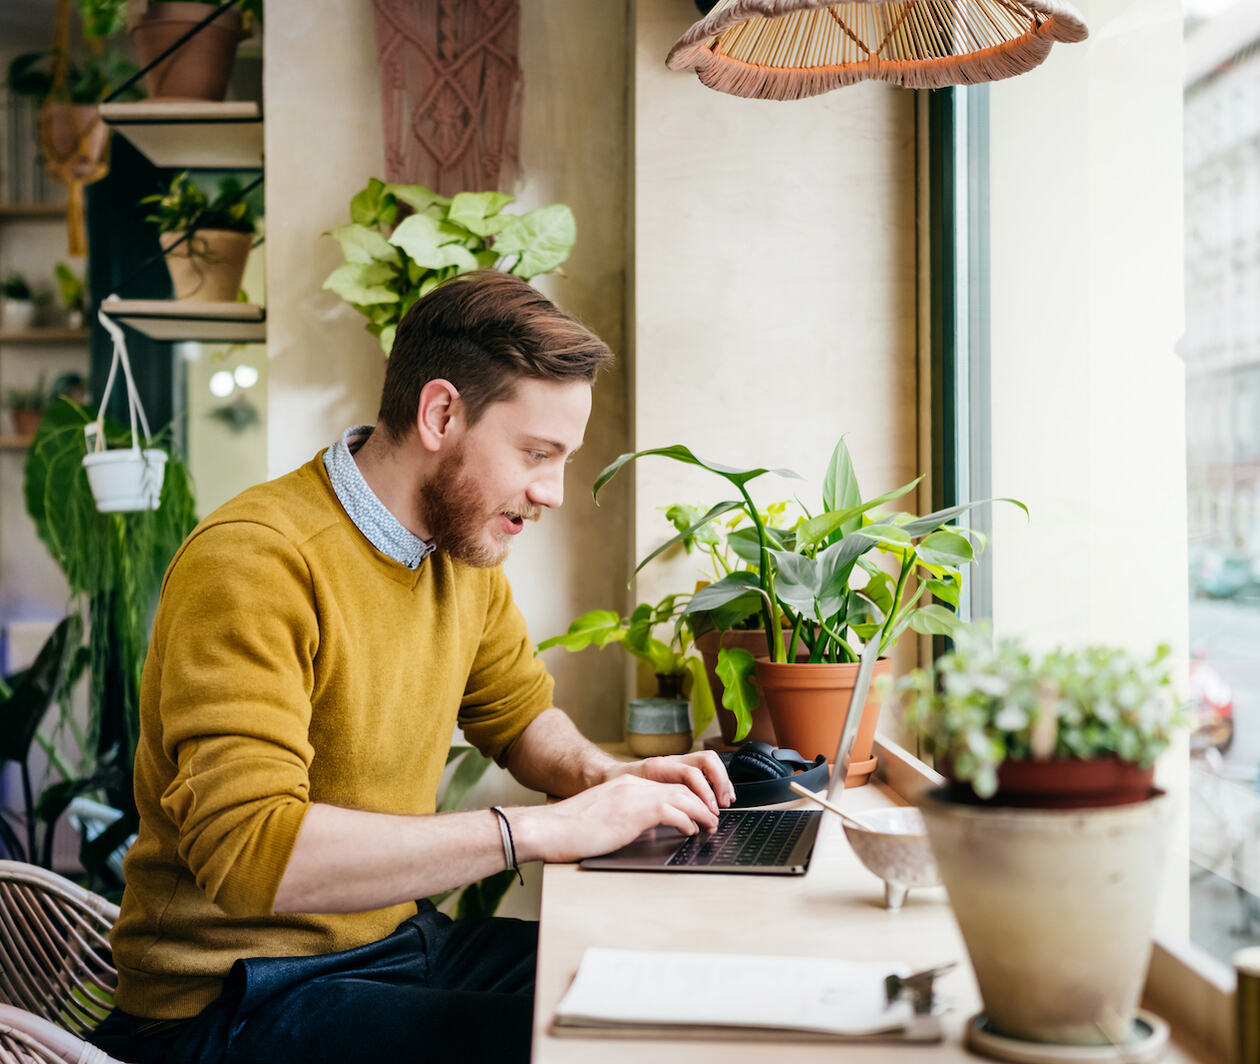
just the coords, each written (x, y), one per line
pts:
(317, 640)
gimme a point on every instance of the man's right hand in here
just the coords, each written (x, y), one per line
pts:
(606, 817)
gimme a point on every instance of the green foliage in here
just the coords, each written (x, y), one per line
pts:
(601, 628)
(185, 206)
(986, 702)
(88, 79)
(815, 584)
(16, 287)
(483, 897)
(70, 287)
(392, 263)
(41, 394)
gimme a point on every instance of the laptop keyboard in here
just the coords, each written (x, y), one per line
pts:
(753, 837)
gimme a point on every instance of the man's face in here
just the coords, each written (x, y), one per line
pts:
(504, 470)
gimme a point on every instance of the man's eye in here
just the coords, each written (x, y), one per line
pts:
(539, 456)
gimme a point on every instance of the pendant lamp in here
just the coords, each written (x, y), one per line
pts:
(789, 49)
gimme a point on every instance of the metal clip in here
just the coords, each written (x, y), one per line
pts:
(919, 987)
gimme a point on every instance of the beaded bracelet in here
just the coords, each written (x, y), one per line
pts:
(509, 847)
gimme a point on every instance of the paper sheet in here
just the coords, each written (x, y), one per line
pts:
(617, 987)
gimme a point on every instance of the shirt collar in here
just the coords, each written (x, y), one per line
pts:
(370, 516)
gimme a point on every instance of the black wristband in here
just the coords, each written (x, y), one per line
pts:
(509, 846)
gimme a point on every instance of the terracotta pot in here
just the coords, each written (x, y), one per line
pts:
(1056, 909)
(754, 641)
(209, 265)
(808, 704)
(200, 67)
(74, 136)
(26, 422)
(1063, 783)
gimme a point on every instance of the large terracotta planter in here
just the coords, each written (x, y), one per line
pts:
(209, 265)
(808, 704)
(1056, 909)
(754, 641)
(200, 67)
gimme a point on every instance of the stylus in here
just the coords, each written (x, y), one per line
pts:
(831, 807)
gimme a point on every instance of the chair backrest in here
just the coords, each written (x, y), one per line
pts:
(27, 1039)
(55, 959)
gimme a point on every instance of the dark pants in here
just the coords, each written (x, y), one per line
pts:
(434, 990)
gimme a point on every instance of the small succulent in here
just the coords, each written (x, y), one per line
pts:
(990, 701)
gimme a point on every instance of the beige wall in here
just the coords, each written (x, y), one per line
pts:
(1087, 304)
(773, 288)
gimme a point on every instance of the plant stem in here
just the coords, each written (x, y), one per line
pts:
(885, 632)
(769, 606)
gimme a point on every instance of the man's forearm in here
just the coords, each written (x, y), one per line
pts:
(552, 756)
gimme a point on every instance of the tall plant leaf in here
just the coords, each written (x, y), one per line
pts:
(684, 536)
(735, 669)
(679, 453)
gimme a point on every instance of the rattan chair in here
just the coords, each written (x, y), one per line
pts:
(57, 975)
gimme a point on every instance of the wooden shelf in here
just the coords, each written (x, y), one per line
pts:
(55, 334)
(173, 319)
(15, 443)
(194, 135)
(32, 211)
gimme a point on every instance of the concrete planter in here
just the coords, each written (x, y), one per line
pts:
(209, 265)
(1056, 908)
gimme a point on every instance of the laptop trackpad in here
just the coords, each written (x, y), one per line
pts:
(656, 845)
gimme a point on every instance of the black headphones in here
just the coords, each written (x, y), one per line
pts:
(761, 773)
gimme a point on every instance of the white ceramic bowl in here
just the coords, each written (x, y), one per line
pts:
(896, 849)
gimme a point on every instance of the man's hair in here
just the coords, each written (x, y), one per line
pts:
(483, 331)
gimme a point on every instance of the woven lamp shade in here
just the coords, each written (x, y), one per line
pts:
(789, 49)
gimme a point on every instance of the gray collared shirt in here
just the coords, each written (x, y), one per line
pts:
(382, 529)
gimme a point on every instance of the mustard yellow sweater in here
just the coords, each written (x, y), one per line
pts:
(292, 663)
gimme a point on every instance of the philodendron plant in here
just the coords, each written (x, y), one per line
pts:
(817, 584)
(601, 628)
(990, 701)
(391, 263)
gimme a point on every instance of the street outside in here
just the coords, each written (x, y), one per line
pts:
(1224, 796)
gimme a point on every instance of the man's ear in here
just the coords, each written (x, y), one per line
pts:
(439, 414)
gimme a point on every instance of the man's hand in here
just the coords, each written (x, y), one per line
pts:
(702, 772)
(606, 817)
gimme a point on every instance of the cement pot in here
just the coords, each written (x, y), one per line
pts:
(209, 265)
(1056, 908)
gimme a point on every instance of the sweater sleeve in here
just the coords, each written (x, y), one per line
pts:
(508, 686)
(238, 633)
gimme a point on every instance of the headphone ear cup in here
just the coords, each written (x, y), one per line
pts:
(755, 761)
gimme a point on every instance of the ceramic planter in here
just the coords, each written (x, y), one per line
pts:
(123, 481)
(209, 265)
(17, 315)
(808, 703)
(1056, 908)
(658, 726)
(200, 67)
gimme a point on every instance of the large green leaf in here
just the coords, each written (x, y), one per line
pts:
(363, 283)
(840, 486)
(373, 205)
(426, 245)
(472, 766)
(363, 245)
(419, 198)
(479, 211)
(690, 530)
(542, 238)
(702, 707)
(732, 587)
(920, 526)
(845, 521)
(934, 620)
(34, 690)
(481, 899)
(735, 669)
(593, 627)
(945, 548)
(679, 453)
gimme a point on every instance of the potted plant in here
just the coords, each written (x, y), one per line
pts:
(207, 240)
(19, 303)
(73, 294)
(658, 725)
(27, 405)
(817, 589)
(1050, 838)
(405, 240)
(200, 67)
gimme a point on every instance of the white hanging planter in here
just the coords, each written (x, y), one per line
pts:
(125, 479)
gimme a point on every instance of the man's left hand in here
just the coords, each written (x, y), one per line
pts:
(702, 771)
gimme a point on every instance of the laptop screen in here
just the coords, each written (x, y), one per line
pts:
(844, 751)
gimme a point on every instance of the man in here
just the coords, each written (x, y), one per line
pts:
(316, 641)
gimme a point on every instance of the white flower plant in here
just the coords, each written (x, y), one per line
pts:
(990, 701)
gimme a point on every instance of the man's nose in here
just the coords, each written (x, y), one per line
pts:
(548, 489)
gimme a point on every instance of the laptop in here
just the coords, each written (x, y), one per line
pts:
(751, 841)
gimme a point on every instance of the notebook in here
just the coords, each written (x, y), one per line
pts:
(757, 841)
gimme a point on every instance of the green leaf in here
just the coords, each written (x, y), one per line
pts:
(372, 205)
(946, 548)
(730, 588)
(840, 486)
(682, 537)
(735, 669)
(702, 707)
(476, 211)
(482, 899)
(934, 620)
(419, 198)
(361, 244)
(387, 338)
(679, 453)
(592, 627)
(362, 283)
(878, 590)
(847, 521)
(543, 239)
(945, 590)
(922, 525)
(421, 238)
(472, 766)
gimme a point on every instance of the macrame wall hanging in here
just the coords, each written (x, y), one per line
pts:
(450, 92)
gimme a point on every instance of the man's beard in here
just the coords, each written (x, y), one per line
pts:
(455, 513)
